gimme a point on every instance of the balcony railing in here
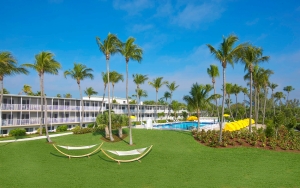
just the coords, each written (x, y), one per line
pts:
(36, 121)
(49, 107)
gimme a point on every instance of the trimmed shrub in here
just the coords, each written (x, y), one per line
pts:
(78, 130)
(62, 128)
(17, 132)
(91, 125)
(43, 130)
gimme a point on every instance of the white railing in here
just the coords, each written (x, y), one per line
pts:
(36, 121)
(49, 107)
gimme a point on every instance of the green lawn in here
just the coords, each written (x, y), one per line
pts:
(176, 160)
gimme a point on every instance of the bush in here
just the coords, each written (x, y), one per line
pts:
(91, 125)
(78, 130)
(43, 131)
(17, 132)
(269, 131)
(62, 128)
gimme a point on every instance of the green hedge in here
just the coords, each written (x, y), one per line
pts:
(62, 128)
(17, 132)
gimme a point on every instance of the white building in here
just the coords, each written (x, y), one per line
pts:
(22, 111)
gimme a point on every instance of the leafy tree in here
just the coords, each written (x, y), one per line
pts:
(110, 46)
(8, 67)
(78, 73)
(157, 83)
(226, 54)
(251, 56)
(26, 89)
(198, 99)
(89, 91)
(272, 87)
(115, 77)
(5, 91)
(288, 89)
(213, 72)
(133, 52)
(58, 95)
(44, 63)
(67, 95)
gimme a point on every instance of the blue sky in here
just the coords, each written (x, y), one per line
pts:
(173, 35)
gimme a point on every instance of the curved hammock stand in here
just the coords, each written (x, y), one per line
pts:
(78, 148)
(141, 152)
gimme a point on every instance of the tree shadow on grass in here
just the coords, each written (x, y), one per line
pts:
(63, 156)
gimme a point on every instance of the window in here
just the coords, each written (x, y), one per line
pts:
(25, 116)
(124, 102)
(69, 126)
(3, 131)
(29, 130)
(67, 115)
(67, 103)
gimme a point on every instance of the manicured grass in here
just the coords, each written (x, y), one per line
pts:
(176, 160)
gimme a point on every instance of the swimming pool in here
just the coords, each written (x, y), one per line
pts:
(181, 125)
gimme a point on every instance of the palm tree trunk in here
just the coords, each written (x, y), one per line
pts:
(82, 108)
(198, 125)
(1, 98)
(216, 102)
(256, 106)
(273, 101)
(112, 97)
(236, 107)
(228, 104)
(223, 102)
(128, 106)
(103, 98)
(42, 105)
(250, 114)
(155, 112)
(46, 115)
(266, 95)
(109, 106)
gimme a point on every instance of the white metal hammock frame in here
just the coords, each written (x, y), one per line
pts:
(77, 148)
(141, 152)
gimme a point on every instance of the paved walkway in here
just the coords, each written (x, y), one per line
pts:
(35, 138)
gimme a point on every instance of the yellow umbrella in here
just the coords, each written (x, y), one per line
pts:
(226, 115)
(192, 118)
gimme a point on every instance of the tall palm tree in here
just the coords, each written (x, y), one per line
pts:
(213, 72)
(272, 87)
(236, 89)
(133, 52)
(167, 95)
(198, 99)
(114, 78)
(157, 83)
(110, 46)
(288, 89)
(278, 96)
(78, 73)
(44, 63)
(8, 67)
(228, 93)
(139, 79)
(245, 92)
(90, 91)
(139, 94)
(172, 87)
(226, 54)
(252, 56)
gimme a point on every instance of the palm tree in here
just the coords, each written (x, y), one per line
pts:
(288, 89)
(157, 83)
(245, 92)
(58, 95)
(78, 73)
(172, 87)
(272, 87)
(175, 106)
(44, 63)
(105, 82)
(228, 93)
(130, 51)
(213, 72)
(110, 46)
(236, 90)
(67, 95)
(114, 78)
(167, 95)
(5, 91)
(278, 96)
(140, 93)
(198, 99)
(226, 54)
(252, 56)
(8, 67)
(139, 79)
(90, 91)
(26, 89)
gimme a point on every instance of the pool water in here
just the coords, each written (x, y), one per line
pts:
(182, 125)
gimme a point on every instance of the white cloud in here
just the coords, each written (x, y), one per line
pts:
(253, 22)
(133, 7)
(141, 27)
(194, 15)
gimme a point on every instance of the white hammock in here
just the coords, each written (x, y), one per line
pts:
(131, 152)
(78, 147)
